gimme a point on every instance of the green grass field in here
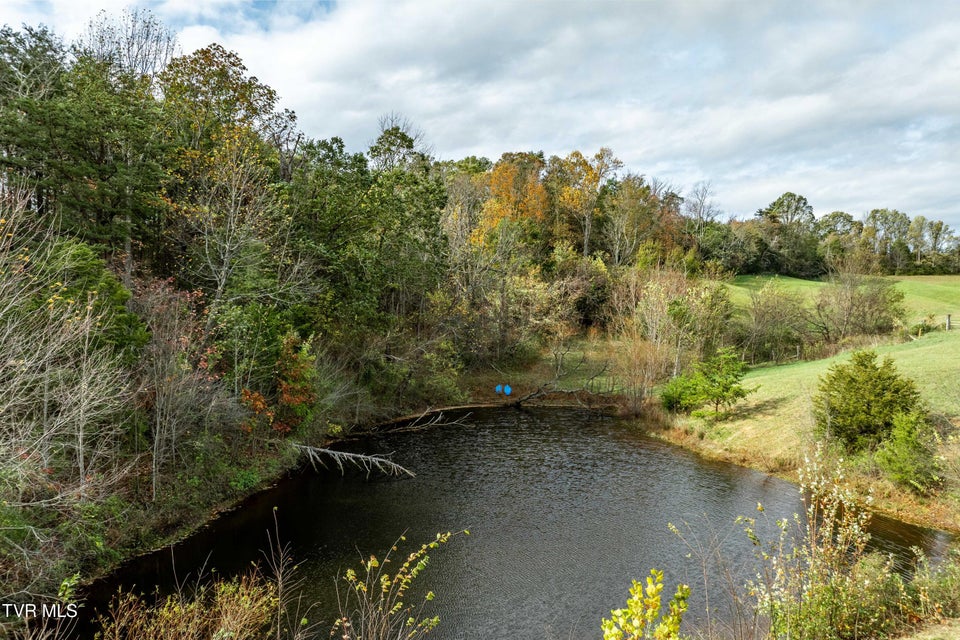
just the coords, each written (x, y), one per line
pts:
(773, 428)
(742, 286)
(777, 417)
(923, 295)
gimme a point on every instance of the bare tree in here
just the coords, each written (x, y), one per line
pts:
(135, 42)
(631, 218)
(61, 396)
(367, 462)
(668, 195)
(399, 145)
(31, 63)
(777, 325)
(856, 304)
(466, 195)
(60, 390)
(679, 317)
(700, 207)
(234, 215)
(177, 387)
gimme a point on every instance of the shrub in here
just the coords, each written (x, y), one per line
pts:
(908, 456)
(937, 588)
(241, 608)
(777, 324)
(928, 324)
(297, 382)
(681, 394)
(244, 480)
(857, 402)
(373, 607)
(643, 609)
(715, 381)
(857, 305)
(638, 363)
(826, 585)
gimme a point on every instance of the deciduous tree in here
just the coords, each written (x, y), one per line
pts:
(632, 217)
(63, 397)
(700, 208)
(854, 304)
(577, 182)
(719, 379)
(777, 325)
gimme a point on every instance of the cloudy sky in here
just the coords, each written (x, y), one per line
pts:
(854, 104)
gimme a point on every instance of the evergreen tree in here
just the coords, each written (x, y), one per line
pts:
(858, 401)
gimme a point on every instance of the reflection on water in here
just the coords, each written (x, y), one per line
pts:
(564, 508)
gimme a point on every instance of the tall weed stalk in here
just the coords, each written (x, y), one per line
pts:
(816, 580)
(374, 604)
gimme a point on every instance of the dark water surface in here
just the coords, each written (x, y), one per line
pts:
(564, 509)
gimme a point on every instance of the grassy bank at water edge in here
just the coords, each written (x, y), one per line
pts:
(773, 428)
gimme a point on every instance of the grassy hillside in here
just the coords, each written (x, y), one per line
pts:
(773, 428)
(778, 414)
(923, 295)
(946, 630)
(937, 295)
(742, 286)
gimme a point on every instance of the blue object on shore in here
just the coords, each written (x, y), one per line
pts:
(499, 389)
(507, 390)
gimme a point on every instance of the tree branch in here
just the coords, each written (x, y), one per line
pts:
(319, 455)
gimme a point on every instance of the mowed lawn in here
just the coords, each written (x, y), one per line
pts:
(923, 295)
(778, 418)
(773, 427)
(742, 286)
(936, 295)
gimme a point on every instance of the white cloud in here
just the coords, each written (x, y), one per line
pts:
(67, 18)
(855, 105)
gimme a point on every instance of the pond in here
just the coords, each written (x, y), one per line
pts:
(564, 507)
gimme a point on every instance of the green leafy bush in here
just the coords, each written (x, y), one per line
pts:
(716, 381)
(642, 612)
(245, 479)
(680, 394)
(908, 456)
(79, 278)
(719, 378)
(857, 402)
